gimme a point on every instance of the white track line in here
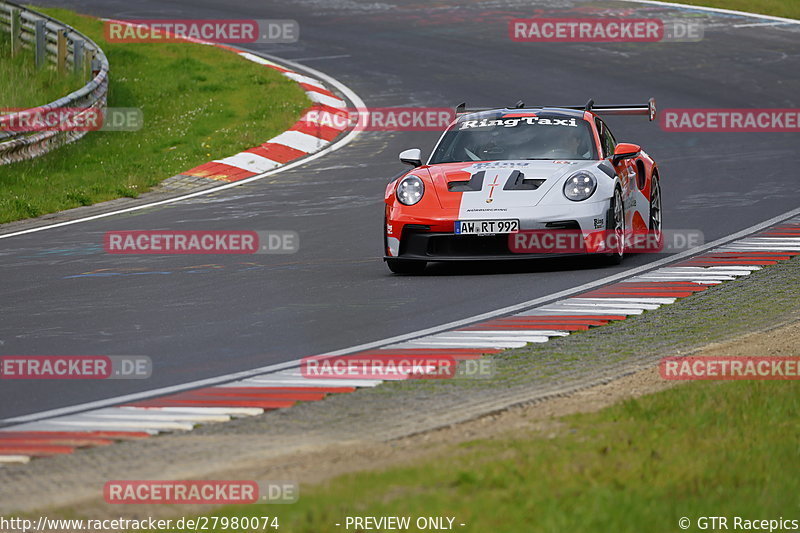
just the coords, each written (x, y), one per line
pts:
(715, 10)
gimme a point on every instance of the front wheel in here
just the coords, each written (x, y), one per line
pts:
(404, 266)
(615, 229)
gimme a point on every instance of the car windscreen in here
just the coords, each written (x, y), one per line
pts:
(527, 137)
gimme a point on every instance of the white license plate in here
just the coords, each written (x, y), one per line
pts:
(486, 227)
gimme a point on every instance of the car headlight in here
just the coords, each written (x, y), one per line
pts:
(580, 186)
(410, 190)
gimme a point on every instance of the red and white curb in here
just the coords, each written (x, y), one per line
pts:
(320, 125)
(315, 130)
(285, 387)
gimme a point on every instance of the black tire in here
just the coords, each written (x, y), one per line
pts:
(404, 266)
(655, 224)
(615, 223)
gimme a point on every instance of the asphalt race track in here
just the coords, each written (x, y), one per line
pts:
(202, 316)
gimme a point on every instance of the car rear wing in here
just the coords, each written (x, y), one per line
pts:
(648, 109)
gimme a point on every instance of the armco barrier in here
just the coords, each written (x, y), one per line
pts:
(66, 47)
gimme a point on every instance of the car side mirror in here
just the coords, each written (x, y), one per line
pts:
(625, 151)
(412, 156)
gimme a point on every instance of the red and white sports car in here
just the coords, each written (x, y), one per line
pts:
(500, 181)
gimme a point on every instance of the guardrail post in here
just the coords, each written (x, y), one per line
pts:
(96, 65)
(77, 56)
(61, 51)
(16, 31)
(88, 65)
(41, 44)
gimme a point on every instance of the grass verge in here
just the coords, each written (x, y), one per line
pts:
(704, 449)
(22, 85)
(199, 102)
(776, 8)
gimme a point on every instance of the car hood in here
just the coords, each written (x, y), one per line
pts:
(500, 184)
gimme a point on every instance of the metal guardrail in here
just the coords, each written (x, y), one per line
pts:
(66, 47)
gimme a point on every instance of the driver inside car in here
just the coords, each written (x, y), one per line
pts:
(576, 145)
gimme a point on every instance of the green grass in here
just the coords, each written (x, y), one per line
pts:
(22, 85)
(705, 449)
(776, 8)
(199, 103)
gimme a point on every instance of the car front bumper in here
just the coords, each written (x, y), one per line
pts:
(433, 239)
